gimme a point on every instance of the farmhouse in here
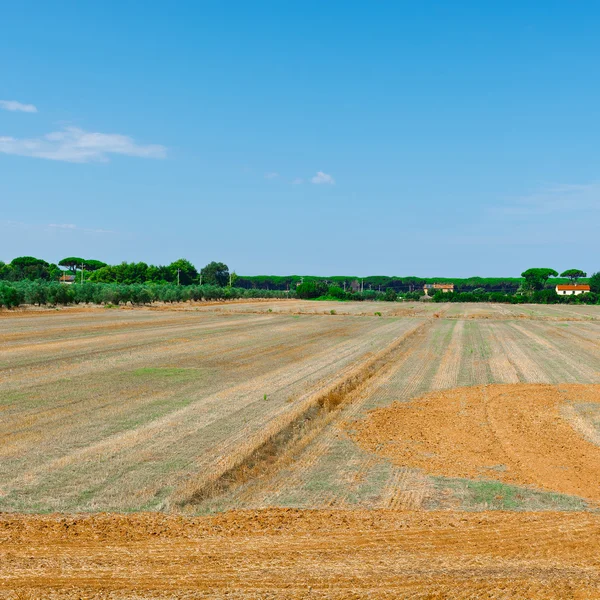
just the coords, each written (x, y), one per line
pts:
(68, 279)
(572, 289)
(438, 287)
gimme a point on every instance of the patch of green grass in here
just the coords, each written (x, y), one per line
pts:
(483, 494)
(8, 398)
(320, 485)
(21, 400)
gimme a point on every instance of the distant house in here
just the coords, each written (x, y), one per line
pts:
(573, 289)
(68, 279)
(438, 287)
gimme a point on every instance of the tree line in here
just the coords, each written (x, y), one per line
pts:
(52, 293)
(538, 287)
(29, 280)
(182, 271)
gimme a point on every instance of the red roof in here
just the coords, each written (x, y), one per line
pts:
(582, 286)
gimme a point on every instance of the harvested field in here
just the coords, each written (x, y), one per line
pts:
(126, 410)
(303, 554)
(258, 406)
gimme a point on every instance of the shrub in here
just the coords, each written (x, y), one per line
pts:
(311, 289)
(336, 292)
(390, 295)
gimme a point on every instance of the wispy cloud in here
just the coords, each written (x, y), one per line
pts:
(63, 226)
(15, 106)
(56, 227)
(297, 181)
(272, 175)
(72, 227)
(323, 178)
(78, 146)
(553, 199)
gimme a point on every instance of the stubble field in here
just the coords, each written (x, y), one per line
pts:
(435, 448)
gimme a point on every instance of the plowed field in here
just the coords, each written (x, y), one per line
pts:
(513, 433)
(303, 554)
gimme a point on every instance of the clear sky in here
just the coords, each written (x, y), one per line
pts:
(398, 138)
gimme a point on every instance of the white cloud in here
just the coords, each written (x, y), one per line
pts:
(272, 175)
(297, 181)
(323, 178)
(78, 146)
(15, 106)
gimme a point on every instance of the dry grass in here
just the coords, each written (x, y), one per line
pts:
(273, 445)
(144, 409)
(117, 410)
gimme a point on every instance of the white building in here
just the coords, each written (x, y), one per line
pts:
(572, 289)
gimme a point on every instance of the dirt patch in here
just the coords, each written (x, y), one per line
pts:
(518, 433)
(302, 554)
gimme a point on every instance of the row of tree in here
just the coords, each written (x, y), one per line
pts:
(181, 271)
(39, 292)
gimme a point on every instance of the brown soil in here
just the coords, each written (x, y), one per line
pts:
(302, 554)
(517, 433)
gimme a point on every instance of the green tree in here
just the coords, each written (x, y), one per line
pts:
(311, 289)
(573, 274)
(159, 274)
(187, 271)
(9, 296)
(535, 279)
(335, 291)
(595, 283)
(29, 267)
(93, 265)
(71, 263)
(215, 273)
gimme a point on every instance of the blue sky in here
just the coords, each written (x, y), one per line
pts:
(398, 138)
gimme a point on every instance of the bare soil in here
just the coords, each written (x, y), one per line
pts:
(302, 554)
(514, 433)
